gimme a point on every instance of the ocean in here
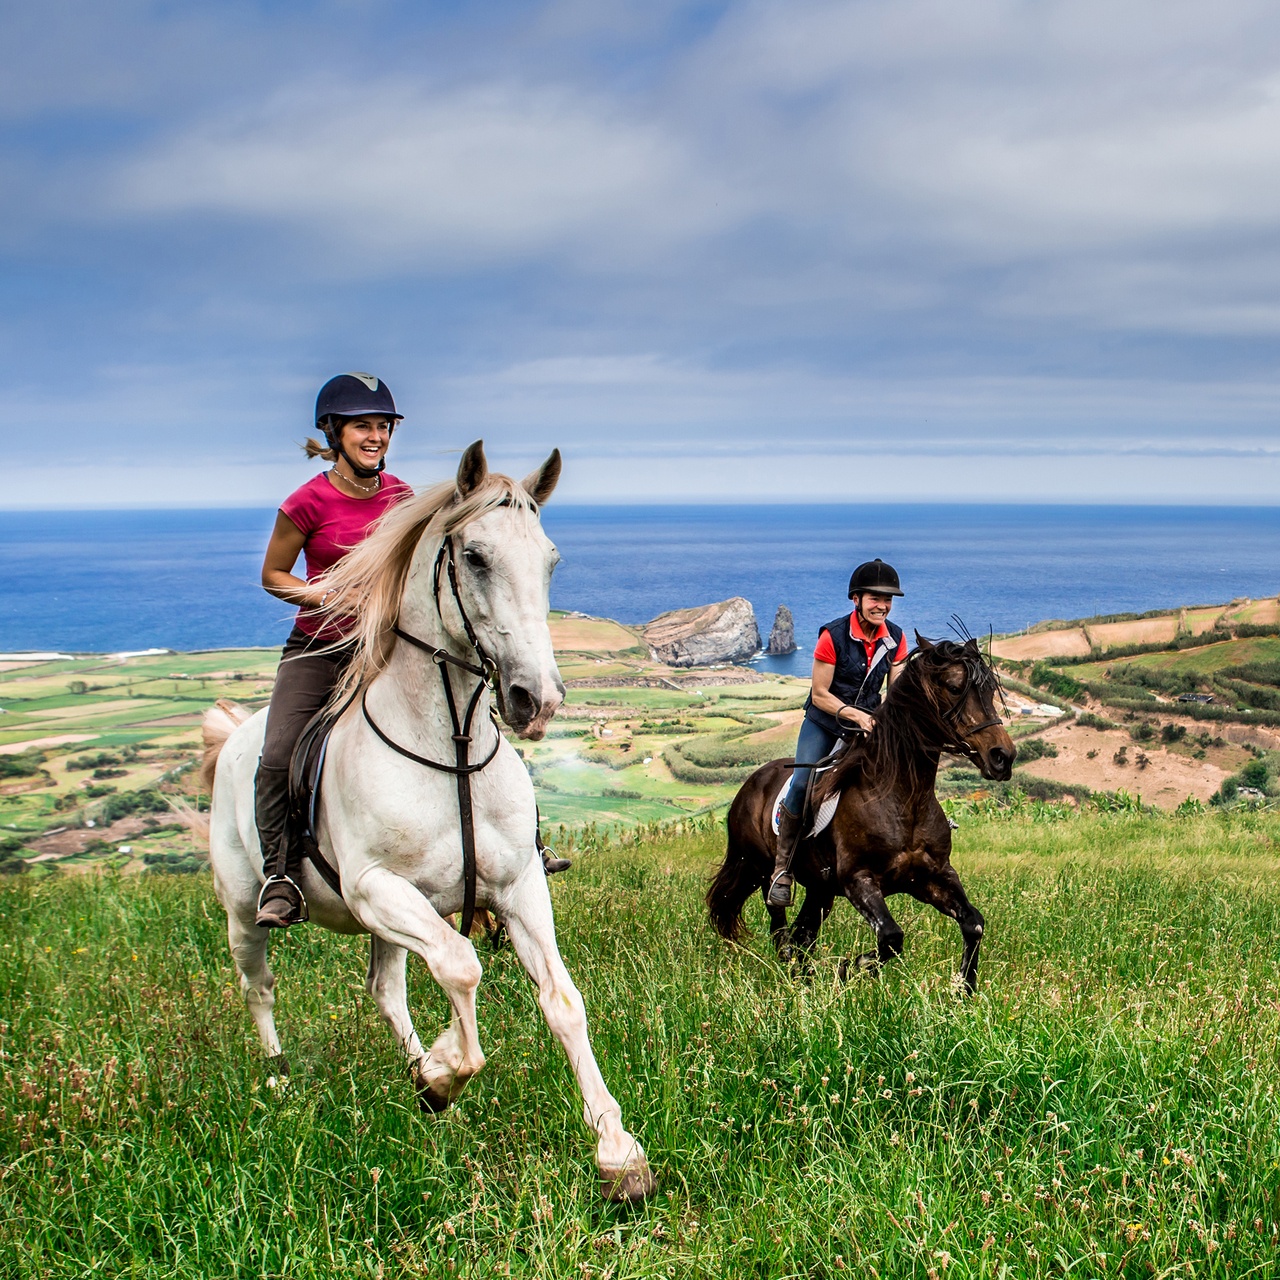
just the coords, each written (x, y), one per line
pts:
(105, 581)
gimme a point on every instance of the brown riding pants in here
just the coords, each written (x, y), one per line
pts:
(304, 681)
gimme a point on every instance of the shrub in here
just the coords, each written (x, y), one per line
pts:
(1254, 774)
(127, 802)
(12, 852)
(1035, 749)
(1090, 721)
(1173, 732)
(22, 764)
(1143, 731)
(1063, 686)
(620, 793)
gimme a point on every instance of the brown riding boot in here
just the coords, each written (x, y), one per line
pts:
(280, 903)
(779, 894)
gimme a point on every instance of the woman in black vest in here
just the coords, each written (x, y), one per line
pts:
(851, 660)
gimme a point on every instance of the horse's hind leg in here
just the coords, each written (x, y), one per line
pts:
(946, 893)
(864, 893)
(620, 1159)
(392, 908)
(257, 982)
(808, 923)
(386, 985)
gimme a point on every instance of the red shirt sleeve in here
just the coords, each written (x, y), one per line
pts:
(901, 655)
(824, 650)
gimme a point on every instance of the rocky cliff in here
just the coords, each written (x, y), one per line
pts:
(722, 632)
(782, 639)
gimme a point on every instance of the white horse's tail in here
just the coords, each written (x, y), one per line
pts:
(220, 722)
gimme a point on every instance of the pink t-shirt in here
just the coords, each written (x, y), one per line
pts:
(332, 523)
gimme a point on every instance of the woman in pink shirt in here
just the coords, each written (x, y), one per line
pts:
(322, 521)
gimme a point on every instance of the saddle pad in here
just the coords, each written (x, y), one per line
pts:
(826, 810)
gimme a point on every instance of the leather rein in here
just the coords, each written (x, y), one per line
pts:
(463, 767)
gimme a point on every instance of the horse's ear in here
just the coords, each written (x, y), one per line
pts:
(473, 469)
(541, 484)
(923, 643)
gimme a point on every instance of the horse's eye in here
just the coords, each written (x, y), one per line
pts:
(475, 560)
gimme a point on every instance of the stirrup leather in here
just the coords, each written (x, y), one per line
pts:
(283, 879)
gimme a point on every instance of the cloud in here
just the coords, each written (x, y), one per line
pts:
(395, 173)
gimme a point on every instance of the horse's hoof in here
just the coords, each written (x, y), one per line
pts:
(627, 1186)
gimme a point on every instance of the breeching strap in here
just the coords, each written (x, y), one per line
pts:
(462, 768)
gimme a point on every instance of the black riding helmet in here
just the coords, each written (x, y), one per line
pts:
(875, 576)
(353, 395)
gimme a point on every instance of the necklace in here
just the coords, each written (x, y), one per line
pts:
(355, 484)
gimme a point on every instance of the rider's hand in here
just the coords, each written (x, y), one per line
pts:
(855, 717)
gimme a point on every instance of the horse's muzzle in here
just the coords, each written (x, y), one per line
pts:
(998, 762)
(527, 713)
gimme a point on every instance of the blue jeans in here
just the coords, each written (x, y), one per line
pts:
(814, 743)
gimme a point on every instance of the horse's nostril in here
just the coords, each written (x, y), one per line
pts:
(522, 706)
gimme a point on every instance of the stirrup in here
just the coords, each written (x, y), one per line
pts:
(551, 863)
(304, 915)
(779, 892)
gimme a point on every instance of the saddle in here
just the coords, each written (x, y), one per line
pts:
(820, 820)
(306, 768)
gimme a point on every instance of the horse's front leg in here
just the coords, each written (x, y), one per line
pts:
(392, 908)
(945, 892)
(620, 1159)
(864, 892)
(386, 984)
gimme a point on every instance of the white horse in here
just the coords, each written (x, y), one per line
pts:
(390, 825)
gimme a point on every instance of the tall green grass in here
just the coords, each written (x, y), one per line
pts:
(1104, 1106)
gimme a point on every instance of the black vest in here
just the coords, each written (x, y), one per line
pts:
(851, 682)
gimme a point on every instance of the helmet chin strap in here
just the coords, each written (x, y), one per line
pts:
(363, 473)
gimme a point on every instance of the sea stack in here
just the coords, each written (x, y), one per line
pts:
(782, 639)
(721, 632)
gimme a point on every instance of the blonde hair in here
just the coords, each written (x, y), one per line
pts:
(368, 582)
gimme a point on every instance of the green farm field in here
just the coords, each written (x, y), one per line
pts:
(82, 738)
(1105, 1106)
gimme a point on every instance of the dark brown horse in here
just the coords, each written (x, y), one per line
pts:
(889, 834)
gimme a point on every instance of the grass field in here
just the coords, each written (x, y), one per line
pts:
(1105, 1106)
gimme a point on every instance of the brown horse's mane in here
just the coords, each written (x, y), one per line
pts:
(909, 725)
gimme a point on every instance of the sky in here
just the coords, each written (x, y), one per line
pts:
(776, 250)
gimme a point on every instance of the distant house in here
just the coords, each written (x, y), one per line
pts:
(1202, 698)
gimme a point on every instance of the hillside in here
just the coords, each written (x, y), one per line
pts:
(1172, 703)
(88, 745)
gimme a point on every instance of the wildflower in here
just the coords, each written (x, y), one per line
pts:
(894, 1139)
(986, 1199)
(911, 1077)
(375, 1174)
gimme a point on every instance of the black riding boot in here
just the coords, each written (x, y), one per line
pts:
(550, 862)
(779, 894)
(280, 903)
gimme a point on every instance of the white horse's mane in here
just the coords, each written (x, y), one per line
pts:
(367, 584)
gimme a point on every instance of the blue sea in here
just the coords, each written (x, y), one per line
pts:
(104, 581)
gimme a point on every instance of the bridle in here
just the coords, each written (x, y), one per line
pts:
(462, 769)
(976, 672)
